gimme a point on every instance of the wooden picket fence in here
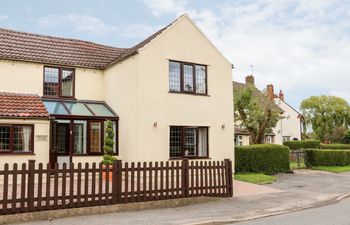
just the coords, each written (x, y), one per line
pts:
(35, 188)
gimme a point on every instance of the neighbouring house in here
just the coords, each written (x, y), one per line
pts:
(289, 127)
(169, 97)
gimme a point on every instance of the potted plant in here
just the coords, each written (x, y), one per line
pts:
(108, 157)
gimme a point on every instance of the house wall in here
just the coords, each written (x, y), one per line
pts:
(245, 139)
(183, 42)
(122, 94)
(23, 77)
(289, 125)
(41, 147)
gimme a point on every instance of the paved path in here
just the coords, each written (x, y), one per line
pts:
(337, 214)
(297, 191)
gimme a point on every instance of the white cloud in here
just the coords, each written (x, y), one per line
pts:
(82, 23)
(163, 7)
(139, 30)
(296, 45)
(3, 17)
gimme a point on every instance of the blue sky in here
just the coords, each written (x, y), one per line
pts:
(300, 46)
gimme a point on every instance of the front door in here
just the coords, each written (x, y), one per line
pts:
(60, 152)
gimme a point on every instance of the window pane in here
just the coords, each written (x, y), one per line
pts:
(188, 78)
(4, 138)
(190, 142)
(67, 83)
(62, 132)
(95, 137)
(174, 76)
(22, 141)
(55, 108)
(79, 136)
(100, 109)
(77, 108)
(200, 79)
(175, 142)
(51, 81)
(202, 142)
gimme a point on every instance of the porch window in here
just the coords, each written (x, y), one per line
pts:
(16, 138)
(95, 137)
(58, 82)
(187, 78)
(191, 142)
(79, 137)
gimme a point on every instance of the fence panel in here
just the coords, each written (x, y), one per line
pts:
(42, 187)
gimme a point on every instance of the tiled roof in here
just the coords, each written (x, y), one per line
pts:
(22, 105)
(30, 47)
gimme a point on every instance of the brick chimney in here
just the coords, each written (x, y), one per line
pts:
(281, 95)
(270, 91)
(249, 79)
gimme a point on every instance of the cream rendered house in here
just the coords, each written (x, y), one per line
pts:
(169, 97)
(289, 127)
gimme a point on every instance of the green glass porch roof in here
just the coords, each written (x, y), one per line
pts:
(78, 108)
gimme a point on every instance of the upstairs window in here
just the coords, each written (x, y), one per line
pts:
(58, 82)
(187, 78)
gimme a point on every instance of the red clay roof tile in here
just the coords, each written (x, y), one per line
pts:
(30, 47)
(22, 105)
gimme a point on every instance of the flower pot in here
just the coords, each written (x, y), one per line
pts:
(109, 174)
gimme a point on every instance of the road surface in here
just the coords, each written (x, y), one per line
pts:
(336, 214)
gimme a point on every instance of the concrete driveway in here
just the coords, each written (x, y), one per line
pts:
(291, 192)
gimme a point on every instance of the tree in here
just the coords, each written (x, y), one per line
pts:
(324, 114)
(108, 157)
(255, 112)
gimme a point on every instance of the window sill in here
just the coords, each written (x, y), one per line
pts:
(16, 153)
(188, 93)
(190, 158)
(57, 98)
(86, 154)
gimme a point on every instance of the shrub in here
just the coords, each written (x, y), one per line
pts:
(262, 158)
(327, 157)
(295, 145)
(108, 157)
(335, 146)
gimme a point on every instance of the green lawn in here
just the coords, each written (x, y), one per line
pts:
(255, 178)
(334, 169)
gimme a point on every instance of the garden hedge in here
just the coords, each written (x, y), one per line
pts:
(335, 146)
(327, 157)
(262, 158)
(296, 145)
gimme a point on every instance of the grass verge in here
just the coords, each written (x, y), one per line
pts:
(255, 178)
(333, 169)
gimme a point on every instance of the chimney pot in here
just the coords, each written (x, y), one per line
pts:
(249, 79)
(270, 92)
(281, 95)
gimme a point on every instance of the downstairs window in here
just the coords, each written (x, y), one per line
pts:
(16, 138)
(188, 142)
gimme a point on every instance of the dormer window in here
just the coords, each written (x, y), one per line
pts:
(187, 78)
(58, 82)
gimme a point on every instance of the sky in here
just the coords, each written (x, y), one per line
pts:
(300, 46)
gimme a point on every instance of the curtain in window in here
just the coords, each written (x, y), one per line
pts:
(202, 142)
(26, 138)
